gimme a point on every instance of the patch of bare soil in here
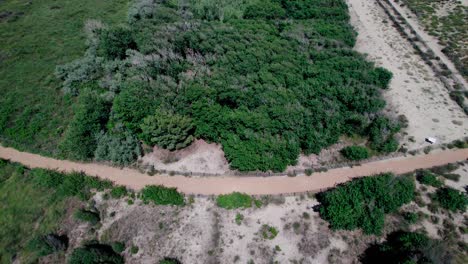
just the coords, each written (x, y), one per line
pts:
(414, 91)
(200, 157)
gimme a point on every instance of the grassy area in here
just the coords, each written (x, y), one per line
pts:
(37, 36)
(21, 219)
(38, 208)
(448, 21)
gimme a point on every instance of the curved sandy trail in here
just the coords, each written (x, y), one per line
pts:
(227, 184)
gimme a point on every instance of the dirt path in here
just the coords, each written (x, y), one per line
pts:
(251, 185)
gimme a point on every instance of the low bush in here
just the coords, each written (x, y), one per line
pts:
(169, 131)
(118, 192)
(451, 176)
(444, 168)
(428, 178)
(363, 203)
(268, 232)
(91, 115)
(121, 148)
(400, 247)
(118, 247)
(451, 199)
(355, 153)
(95, 253)
(239, 218)
(234, 200)
(161, 195)
(411, 218)
(113, 43)
(87, 216)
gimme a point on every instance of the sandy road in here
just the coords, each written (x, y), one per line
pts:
(227, 184)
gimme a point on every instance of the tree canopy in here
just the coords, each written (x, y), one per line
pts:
(266, 79)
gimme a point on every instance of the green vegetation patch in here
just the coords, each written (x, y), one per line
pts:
(401, 247)
(161, 195)
(265, 79)
(451, 199)
(269, 232)
(30, 218)
(234, 200)
(363, 203)
(95, 253)
(355, 153)
(428, 178)
(35, 38)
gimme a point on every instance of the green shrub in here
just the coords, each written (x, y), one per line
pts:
(451, 176)
(363, 203)
(355, 152)
(411, 218)
(134, 250)
(114, 42)
(47, 178)
(118, 247)
(400, 247)
(440, 170)
(428, 178)
(169, 131)
(161, 195)
(265, 9)
(268, 232)
(239, 218)
(40, 246)
(234, 200)
(451, 199)
(118, 192)
(91, 115)
(95, 254)
(87, 216)
(120, 148)
(134, 103)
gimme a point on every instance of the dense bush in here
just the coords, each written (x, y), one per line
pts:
(91, 115)
(114, 42)
(355, 152)
(363, 203)
(265, 10)
(451, 199)
(289, 82)
(234, 200)
(169, 131)
(118, 192)
(118, 247)
(95, 254)
(162, 196)
(400, 247)
(87, 216)
(428, 178)
(121, 148)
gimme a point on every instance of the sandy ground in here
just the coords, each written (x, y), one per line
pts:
(204, 233)
(227, 184)
(201, 232)
(414, 91)
(199, 157)
(431, 41)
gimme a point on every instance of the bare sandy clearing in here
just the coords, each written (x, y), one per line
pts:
(414, 90)
(199, 157)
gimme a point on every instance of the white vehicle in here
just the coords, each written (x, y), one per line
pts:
(431, 140)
